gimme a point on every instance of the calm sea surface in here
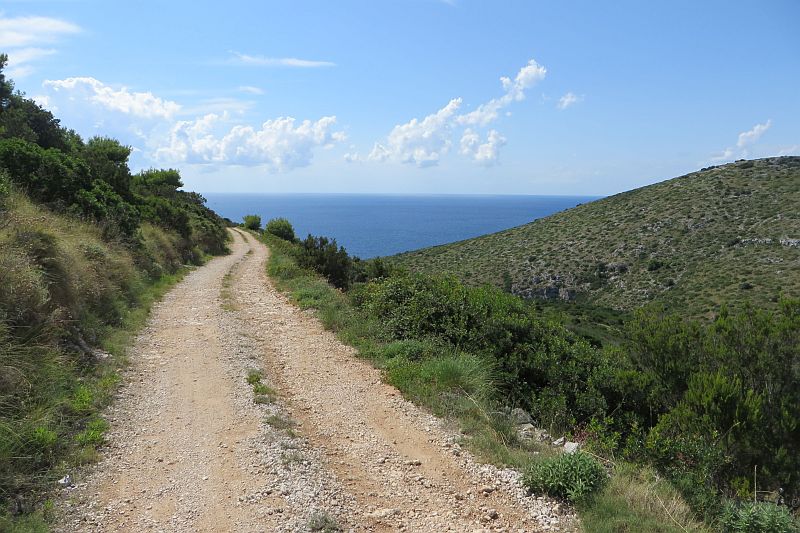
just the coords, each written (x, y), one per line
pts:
(372, 225)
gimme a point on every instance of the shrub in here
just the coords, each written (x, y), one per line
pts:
(327, 258)
(252, 222)
(574, 477)
(280, 227)
(48, 175)
(539, 365)
(761, 517)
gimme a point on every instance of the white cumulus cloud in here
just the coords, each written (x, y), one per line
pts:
(421, 142)
(527, 77)
(424, 142)
(567, 100)
(485, 153)
(139, 104)
(168, 133)
(279, 144)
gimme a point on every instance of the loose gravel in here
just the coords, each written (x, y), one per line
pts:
(325, 443)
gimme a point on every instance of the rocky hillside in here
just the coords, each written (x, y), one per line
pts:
(726, 234)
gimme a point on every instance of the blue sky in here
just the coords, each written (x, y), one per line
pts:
(418, 96)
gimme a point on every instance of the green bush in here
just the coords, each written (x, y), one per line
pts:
(574, 477)
(48, 175)
(327, 258)
(252, 222)
(254, 376)
(539, 365)
(722, 397)
(282, 228)
(761, 517)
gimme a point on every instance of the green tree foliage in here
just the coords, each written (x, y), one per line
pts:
(46, 174)
(252, 222)
(6, 85)
(108, 161)
(280, 227)
(327, 258)
(119, 219)
(742, 383)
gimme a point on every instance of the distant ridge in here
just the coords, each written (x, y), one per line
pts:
(726, 234)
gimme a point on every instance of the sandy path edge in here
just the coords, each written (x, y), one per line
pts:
(402, 465)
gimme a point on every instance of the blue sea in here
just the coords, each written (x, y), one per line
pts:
(370, 225)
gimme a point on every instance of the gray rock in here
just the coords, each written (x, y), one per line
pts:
(571, 447)
(559, 441)
(527, 431)
(520, 416)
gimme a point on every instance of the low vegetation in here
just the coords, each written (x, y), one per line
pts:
(282, 228)
(571, 476)
(724, 235)
(323, 522)
(86, 247)
(252, 222)
(702, 404)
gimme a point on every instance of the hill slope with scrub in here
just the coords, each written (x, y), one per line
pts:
(727, 234)
(704, 403)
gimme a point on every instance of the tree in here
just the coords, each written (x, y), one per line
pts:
(157, 181)
(6, 86)
(329, 259)
(280, 227)
(108, 161)
(252, 222)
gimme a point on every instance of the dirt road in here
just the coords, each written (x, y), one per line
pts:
(326, 444)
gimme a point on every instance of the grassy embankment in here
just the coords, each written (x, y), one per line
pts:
(72, 304)
(463, 388)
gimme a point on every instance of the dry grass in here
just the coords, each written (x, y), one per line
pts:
(638, 499)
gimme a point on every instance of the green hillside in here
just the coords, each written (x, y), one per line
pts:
(727, 234)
